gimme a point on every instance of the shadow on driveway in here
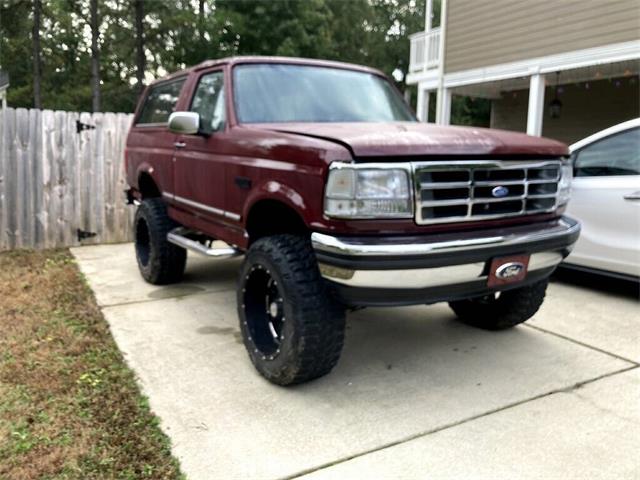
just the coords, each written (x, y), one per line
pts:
(601, 283)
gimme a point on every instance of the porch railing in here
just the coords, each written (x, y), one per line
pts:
(425, 50)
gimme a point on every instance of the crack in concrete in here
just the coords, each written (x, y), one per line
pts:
(582, 344)
(568, 389)
(149, 300)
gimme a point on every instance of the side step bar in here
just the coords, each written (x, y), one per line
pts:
(178, 237)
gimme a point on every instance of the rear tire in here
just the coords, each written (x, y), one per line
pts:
(159, 261)
(504, 310)
(292, 328)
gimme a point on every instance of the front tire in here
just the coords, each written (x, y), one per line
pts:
(502, 310)
(293, 330)
(159, 261)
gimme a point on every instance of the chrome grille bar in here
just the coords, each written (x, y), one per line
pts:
(466, 190)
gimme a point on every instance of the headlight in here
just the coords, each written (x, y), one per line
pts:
(564, 187)
(368, 193)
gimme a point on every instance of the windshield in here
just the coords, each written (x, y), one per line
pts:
(266, 93)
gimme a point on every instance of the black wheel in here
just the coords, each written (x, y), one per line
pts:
(159, 261)
(293, 330)
(502, 309)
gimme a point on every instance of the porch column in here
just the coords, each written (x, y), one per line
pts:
(428, 12)
(536, 105)
(443, 107)
(422, 105)
(425, 106)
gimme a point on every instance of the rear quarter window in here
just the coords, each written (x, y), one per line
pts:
(160, 103)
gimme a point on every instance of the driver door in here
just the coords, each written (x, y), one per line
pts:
(199, 166)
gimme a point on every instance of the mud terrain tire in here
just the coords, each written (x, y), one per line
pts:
(159, 261)
(506, 310)
(291, 326)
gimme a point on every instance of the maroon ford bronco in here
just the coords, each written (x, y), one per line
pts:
(319, 173)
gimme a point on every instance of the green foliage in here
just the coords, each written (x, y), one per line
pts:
(285, 27)
(15, 50)
(372, 32)
(471, 111)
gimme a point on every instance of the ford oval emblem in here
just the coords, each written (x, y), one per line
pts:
(500, 191)
(509, 270)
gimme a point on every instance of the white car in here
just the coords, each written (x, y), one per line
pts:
(606, 200)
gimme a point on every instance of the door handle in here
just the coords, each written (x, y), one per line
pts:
(632, 196)
(179, 144)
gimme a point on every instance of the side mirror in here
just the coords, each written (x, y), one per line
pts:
(184, 123)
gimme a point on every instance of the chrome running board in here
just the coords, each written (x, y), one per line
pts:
(178, 236)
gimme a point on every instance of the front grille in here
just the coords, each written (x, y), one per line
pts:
(478, 190)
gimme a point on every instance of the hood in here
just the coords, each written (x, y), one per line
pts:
(412, 138)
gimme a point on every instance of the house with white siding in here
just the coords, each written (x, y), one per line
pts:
(559, 68)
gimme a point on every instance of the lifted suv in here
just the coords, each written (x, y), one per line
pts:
(319, 173)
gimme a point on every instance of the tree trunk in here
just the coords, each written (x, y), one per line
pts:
(37, 71)
(95, 58)
(140, 58)
(201, 22)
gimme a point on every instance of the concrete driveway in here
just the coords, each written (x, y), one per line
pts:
(415, 395)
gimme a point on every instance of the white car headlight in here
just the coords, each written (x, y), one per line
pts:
(368, 193)
(564, 186)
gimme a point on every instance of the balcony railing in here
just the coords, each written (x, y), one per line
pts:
(425, 50)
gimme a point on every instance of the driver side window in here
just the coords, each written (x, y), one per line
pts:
(616, 155)
(208, 101)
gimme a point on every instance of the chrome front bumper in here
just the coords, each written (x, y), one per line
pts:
(424, 262)
(427, 277)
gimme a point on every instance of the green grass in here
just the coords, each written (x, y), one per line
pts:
(69, 406)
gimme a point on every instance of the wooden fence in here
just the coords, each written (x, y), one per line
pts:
(58, 180)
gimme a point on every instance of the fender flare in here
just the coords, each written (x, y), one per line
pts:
(280, 192)
(145, 168)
